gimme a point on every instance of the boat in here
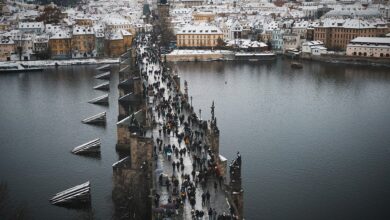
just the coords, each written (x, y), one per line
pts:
(296, 65)
(255, 56)
(17, 68)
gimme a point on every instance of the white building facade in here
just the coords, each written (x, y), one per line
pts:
(369, 47)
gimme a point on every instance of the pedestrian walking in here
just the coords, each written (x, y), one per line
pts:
(173, 166)
(210, 213)
(208, 197)
(203, 199)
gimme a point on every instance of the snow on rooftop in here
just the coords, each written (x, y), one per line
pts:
(200, 29)
(82, 30)
(373, 40)
(192, 52)
(246, 43)
(351, 23)
(353, 12)
(61, 35)
(125, 33)
(24, 25)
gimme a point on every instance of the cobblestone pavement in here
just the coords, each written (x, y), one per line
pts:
(218, 201)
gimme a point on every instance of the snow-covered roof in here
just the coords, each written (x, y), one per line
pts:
(125, 33)
(41, 39)
(51, 27)
(313, 43)
(82, 30)
(117, 21)
(61, 35)
(200, 29)
(301, 24)
(372, 40)
(351, 23)
(353, 12)
(246, 43)
(319, 47)
(116, 35)
(6, 40)
(25, 25)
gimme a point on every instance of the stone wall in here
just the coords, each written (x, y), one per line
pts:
(123, 135)
(335, 58)
(194, 57)
(141, 149)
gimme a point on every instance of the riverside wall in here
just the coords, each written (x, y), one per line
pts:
(336, 58)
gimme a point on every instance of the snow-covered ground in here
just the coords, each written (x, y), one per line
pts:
(42, 63)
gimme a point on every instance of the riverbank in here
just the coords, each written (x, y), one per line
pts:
(334, 58)
(216, 55)
(47, 63)
(226, 55)
(198, 55)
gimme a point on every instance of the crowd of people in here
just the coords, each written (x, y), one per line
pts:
(181, 140)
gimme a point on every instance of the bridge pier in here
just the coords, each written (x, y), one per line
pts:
(174, 160)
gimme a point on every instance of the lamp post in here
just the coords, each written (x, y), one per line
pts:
(191, 101)
(200, 114)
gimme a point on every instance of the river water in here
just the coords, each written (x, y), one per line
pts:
(315, 142)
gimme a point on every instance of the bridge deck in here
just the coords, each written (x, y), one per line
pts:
(218, 200)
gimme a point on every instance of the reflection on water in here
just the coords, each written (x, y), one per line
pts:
(314, 141)
(41, 117)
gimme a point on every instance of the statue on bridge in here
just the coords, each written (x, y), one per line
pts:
(214, 119)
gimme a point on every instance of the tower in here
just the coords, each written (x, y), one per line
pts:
(163, 9)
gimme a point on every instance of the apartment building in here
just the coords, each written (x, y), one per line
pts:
(199, 36)
(369, 47)
(337, 33)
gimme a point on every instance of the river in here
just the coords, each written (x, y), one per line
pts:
(315, 142)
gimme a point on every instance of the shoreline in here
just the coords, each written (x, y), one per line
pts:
(206, 56)
(359, 61)
(48, 63)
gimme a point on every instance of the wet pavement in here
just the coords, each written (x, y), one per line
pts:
(171, 196)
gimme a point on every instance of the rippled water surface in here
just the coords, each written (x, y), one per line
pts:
(315, 142)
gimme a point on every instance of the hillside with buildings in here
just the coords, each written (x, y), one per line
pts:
(94, 29)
